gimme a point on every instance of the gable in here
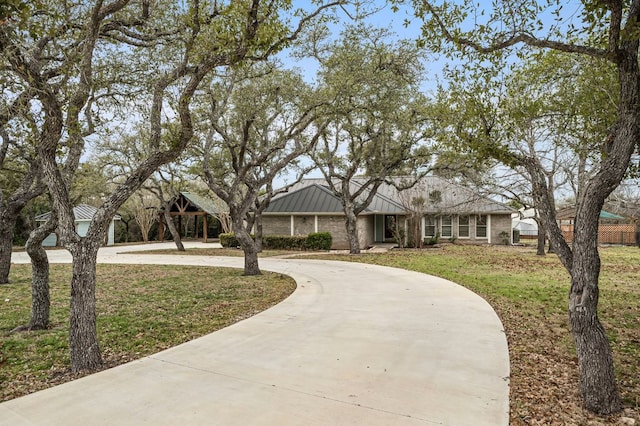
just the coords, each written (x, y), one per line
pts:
(310, 199)
(191, 202)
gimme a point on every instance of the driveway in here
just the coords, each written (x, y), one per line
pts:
(355, 344)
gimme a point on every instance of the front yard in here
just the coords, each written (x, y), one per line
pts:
(143, 309)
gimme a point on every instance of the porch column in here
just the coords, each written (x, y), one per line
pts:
(292, 225)
(315, 223)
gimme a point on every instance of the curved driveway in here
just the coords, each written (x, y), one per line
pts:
(355, 344)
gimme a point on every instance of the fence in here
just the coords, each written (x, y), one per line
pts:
(608, 234)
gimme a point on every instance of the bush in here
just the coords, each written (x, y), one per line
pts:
(314, 241)
(504, 237)
(284, 242)
(319, 241)
(432, 240)
(228, 240)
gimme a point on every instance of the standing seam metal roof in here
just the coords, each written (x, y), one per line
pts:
(81, 213)
(311, 196)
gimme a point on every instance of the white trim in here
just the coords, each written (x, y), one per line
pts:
(292, 225)
(489, 228)
(315, 224)
(375, 226)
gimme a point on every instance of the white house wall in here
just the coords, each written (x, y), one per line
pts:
(82, 229)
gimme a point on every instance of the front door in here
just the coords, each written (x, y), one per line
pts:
(390, 222)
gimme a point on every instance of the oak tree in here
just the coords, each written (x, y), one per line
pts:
(610, 35)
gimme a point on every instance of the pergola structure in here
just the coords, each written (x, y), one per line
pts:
(191, 205)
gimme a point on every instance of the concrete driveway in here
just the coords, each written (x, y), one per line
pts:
(355, 344)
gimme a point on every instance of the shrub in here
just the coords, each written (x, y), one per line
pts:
(228, 240)
(283, 242)
(504, 237)
(432, 240)
(319, 241)
(314, 241)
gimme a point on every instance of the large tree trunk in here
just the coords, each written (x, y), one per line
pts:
(83, 335)
(352, 231)
(248, 245)
(7, 228)
(40, 299)
(595, 360)
(172, 228)
(542, 238)
(258, 234)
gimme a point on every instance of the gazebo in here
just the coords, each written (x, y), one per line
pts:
(190, 205)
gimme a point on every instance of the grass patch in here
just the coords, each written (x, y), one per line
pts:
(530, 294)
(142, 309)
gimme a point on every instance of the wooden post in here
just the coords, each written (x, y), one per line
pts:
(204, 227)
(160, 227)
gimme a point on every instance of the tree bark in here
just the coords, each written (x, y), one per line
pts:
(172, 228)
(7, 229)
(258, 235)
(40, 298)
(551, 249)
(248, 245)
(83, 335)
(595, 361)
(352, 231)
(542, 238)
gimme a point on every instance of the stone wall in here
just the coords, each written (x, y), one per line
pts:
(499, 224)
(303, 225)
(366, 227)
(276, 225)
(336, 226)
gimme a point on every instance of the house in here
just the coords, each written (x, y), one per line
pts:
(447, 211)
(83, 215)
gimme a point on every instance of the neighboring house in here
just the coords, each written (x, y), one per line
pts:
(83, 215)
(449, 211)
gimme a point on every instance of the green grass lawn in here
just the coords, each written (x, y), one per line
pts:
(142, 309)
(530, 295)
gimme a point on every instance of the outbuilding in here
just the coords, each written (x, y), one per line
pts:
(83, 214)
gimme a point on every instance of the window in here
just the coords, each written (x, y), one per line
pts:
(447, 227)
(429, 226)
(463, 226)
(481, 226)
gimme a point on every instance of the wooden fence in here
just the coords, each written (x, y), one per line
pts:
(608, 233)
